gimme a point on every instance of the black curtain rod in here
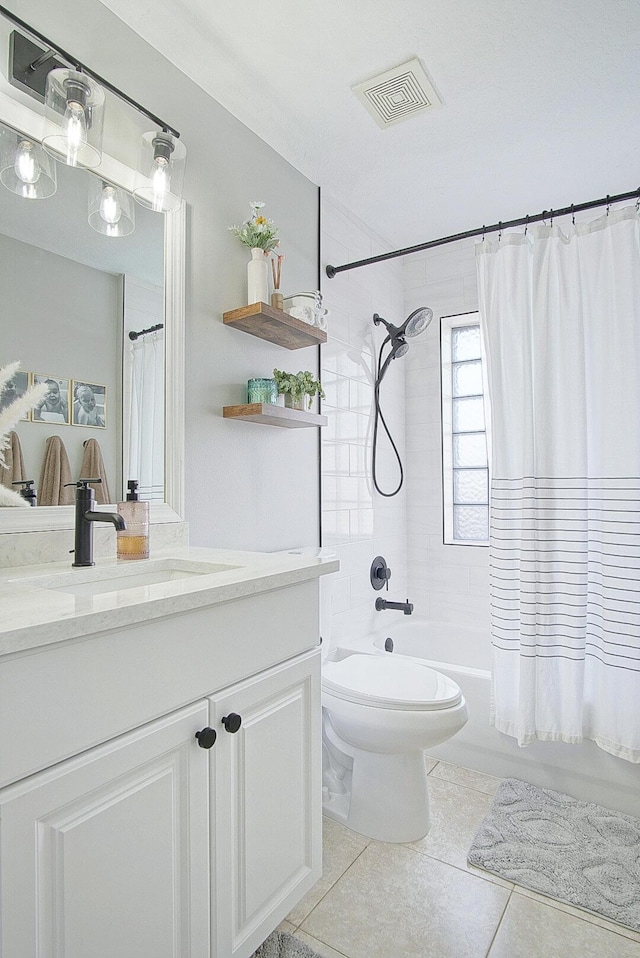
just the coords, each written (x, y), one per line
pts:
(331, 271)
(83, 69)
(152, 329)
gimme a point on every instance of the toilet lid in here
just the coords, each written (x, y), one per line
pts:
(389, 681)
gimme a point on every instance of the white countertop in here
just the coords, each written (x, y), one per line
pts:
(34, 615)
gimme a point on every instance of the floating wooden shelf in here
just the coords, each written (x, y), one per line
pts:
(272, 415)
(274, 325)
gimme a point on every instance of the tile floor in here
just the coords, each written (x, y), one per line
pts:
(377, 900)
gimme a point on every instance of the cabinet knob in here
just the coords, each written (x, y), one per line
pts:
(206, 737)
(232, 721)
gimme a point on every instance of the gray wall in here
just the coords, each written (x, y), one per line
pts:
(248, 486)
(62, 319)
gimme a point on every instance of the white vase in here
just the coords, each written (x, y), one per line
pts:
(257, 278)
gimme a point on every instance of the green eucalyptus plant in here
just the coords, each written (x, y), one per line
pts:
(298, 384)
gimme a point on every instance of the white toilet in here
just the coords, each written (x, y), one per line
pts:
(380, 712)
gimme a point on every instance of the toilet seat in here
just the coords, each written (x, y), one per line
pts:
(389, 681)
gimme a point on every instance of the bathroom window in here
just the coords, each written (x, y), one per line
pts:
(465, 440)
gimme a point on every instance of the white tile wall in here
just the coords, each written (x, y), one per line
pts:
(450, 582)
(447, 583)
(358, 522)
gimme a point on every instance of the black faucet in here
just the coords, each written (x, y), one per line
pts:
(406, 607)
(85, 516)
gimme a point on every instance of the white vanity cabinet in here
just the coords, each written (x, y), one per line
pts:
(107, 854)
(144, 844)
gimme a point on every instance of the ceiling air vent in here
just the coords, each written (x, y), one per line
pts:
(397, 94)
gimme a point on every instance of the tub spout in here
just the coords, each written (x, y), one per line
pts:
(406, 607)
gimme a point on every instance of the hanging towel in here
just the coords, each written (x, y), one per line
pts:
(56, 473)
(14, 469)
(93, 468)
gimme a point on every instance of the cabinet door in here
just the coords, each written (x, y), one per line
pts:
(107, 854)
(268, 803)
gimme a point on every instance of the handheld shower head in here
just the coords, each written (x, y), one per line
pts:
(418, 321)
(415, 324)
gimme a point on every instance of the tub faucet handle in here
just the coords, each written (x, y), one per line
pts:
(379, 574)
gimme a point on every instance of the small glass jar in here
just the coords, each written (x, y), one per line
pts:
(262, 390)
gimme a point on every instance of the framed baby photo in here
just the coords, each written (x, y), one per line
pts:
(55, 407)
(89, 405)
(13, 389)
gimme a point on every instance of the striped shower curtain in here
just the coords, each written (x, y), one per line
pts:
(561, 320)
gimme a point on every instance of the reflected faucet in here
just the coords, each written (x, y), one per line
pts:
(86, 515)
(406, 607)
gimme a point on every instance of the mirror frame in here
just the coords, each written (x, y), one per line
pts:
(49, 518)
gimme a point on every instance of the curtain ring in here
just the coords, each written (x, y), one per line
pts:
(526, 221)
(573, 215)
(499, 230)
(551, 221)
(483, 231)
(608, 204)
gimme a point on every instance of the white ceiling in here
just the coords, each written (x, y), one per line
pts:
(540, 98)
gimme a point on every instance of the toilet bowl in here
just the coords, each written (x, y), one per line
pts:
(380, 713)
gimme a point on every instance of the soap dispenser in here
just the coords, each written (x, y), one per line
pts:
(133, 542)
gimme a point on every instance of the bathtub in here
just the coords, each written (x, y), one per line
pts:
(584, 770)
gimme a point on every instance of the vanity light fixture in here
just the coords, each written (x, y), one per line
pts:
(74, 98)
(74, 106)
(25, 168)
(111, 210)
(160, 171)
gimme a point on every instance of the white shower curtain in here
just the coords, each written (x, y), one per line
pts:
(561, 321)
(146, 416)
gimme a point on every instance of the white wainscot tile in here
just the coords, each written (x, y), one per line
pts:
(416, 550)
(414, 273)
(425, 351)
(354, 558)
(335, 459)
(361, 523)
(342, 425)
(388, 522)
(425, 437)
(354, 624)
(448, 578)
(340, 595)
(470, 284)
(362, 592)
(336, 390)
(332, 250)
(360, 397)
(463, 609)
(479, 579)
(419, 465)
(423, 384)
(360, 460)
(333, 356)
(421, 410)
(335, 527)
(425, 519)
(464, 555)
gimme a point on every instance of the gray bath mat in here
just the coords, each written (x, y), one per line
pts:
(577, 852)
(280, 944)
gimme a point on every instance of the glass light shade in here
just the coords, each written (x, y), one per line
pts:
(25, 168)
(111, 210)
(75, 104)
(160, 172)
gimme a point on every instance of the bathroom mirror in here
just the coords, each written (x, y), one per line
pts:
(56, 246)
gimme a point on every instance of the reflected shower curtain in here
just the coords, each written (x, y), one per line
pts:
(561, 321)
(146, 416)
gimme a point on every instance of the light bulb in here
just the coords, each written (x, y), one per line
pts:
(160, 182)
(74, 129)
(110, 209)
(26, 167)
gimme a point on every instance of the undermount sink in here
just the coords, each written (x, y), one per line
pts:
(97, 580)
